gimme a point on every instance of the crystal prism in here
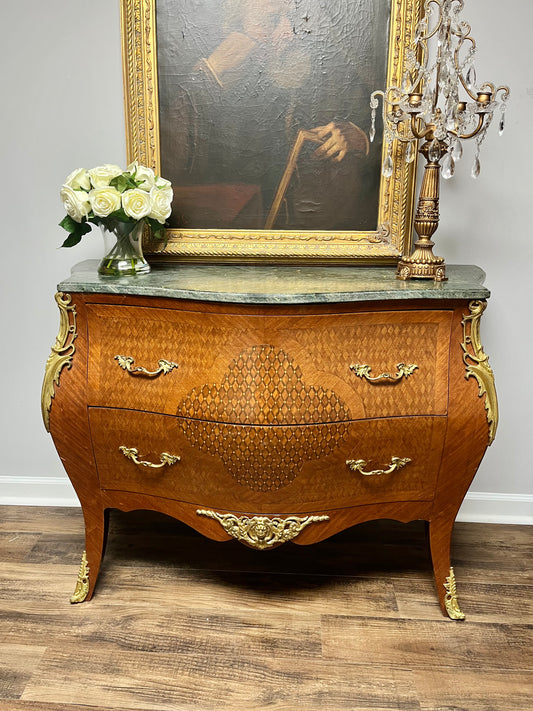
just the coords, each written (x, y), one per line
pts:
(448, 166)
(471, 78)
(434, 151)
(372, 132)
(502, 123)
(409, 153)
(440, 132)
(451, 123)
(471, 53)
(387, 167)
(457, 150)
(410, 60)
(476, 167)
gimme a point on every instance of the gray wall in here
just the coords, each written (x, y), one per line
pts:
(63, 108)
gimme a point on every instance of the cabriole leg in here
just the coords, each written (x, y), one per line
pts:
(96, 527)
(440, 534)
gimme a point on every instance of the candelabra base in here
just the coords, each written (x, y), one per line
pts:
(422, 264)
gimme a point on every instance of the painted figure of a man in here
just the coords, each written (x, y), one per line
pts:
(226, 136)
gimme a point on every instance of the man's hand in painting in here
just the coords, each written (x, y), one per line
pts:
(338, 139)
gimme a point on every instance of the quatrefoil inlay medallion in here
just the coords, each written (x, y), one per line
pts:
(264, 389)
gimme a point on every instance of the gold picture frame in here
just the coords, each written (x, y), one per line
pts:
(385, 243)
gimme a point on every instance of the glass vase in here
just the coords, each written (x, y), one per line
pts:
(123, 247)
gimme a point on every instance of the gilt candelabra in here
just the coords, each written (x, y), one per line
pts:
(440, 104)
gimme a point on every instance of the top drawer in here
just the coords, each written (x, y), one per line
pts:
(268, 370)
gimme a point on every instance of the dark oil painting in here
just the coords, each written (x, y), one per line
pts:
(264, 112)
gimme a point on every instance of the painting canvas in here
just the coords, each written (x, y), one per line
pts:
(259, 116)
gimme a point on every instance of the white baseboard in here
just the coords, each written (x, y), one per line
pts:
(37, 491)
(478, 506)
(487, 507)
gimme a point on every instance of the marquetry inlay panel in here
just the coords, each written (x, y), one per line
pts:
(264, 458)
(382, 346)
(263, 386)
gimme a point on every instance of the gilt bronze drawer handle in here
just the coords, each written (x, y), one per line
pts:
(404, 371)
(133, 454)
(357, 465)
(126, 363)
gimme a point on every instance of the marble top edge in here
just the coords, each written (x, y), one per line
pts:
(262, 284)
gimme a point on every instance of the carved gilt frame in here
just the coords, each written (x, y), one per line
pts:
(384, 245)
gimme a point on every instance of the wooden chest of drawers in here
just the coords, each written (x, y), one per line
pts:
(269, 422)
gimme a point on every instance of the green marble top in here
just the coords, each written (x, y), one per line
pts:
(262, 284)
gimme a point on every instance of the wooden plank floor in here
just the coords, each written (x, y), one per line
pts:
(180, 623)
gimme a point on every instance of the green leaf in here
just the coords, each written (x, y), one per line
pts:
(72, 240)
(158, 230)
(123, 182)
(68, 224)
(79, 229)
(121, 216)
(134, 178)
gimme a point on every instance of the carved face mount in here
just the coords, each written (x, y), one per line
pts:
(262, 532)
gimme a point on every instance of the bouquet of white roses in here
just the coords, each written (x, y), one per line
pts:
(106, 195)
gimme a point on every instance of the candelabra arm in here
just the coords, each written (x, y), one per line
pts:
(416, 121)
(489, 87)
(438, 24)
(464, 136)
(465, 86)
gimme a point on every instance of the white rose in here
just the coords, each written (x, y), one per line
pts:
(161, 204)
(136, 203)
(146, 176)
(162, 182)
(75, 202)
(79, 179)
(102, 175)
(104, 201)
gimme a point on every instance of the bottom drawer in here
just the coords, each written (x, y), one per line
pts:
(270, 469)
